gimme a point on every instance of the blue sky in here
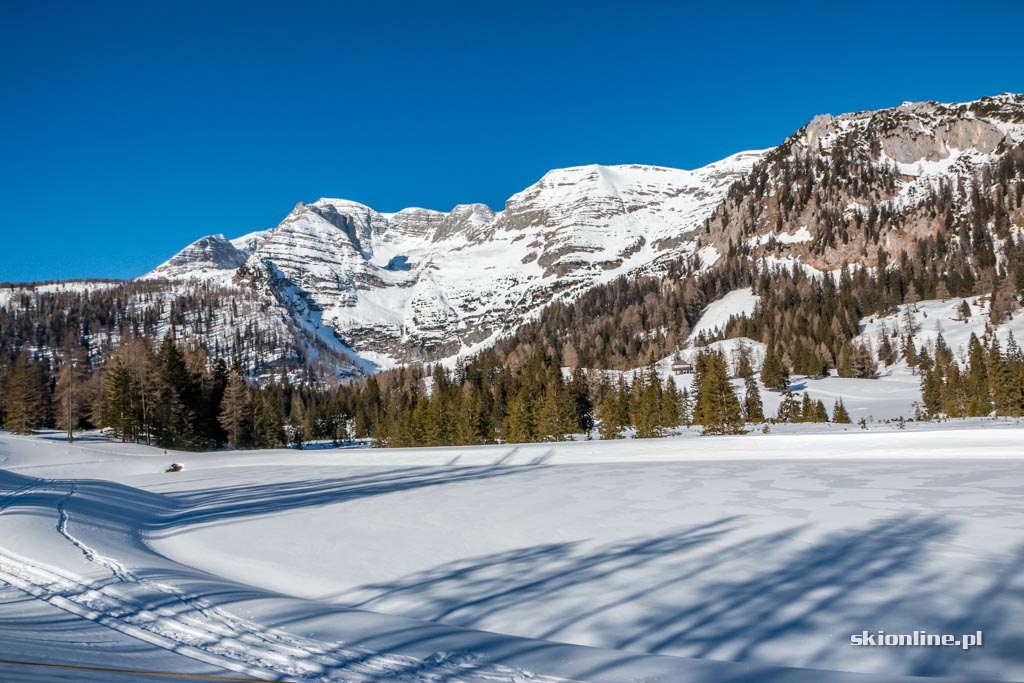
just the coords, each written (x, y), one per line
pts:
(130, 129)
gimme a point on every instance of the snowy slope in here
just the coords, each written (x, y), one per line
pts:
(737, 303)
(688, 559)
(419, 283)
(931, 318)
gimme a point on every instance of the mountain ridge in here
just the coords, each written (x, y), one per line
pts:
(419, 283)
(374, 290)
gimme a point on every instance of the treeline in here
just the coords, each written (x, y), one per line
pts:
(177, 396)
(173, 396)
(229, 322)
(991, 379)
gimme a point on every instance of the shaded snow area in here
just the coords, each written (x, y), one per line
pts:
(748, 558)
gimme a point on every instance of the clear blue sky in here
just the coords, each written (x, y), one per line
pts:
(131, 128)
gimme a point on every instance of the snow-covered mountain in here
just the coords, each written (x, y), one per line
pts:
(420, 284)
(355, 290)
(843, 186)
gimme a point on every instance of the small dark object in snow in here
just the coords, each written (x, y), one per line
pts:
(175, 467)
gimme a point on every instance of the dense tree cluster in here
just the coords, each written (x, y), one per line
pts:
(991, 379)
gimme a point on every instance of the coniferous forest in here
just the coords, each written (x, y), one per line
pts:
(89, 359)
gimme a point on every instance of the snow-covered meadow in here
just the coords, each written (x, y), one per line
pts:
(681, 559)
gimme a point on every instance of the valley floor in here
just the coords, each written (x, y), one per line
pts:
(750, 558)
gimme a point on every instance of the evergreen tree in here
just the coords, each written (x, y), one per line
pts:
(519, 424)
(176, 398)
(579, 398)
(717, 408)
(753, 407)
(236, 411)
(269, 422)
(774, 374)
(910, 351)
(789, 408)
(671, 405)
(647, 404)
(614, 410)
(839, 413)
(23, 400)
(120, 411)
(744, 367)
(806, 409)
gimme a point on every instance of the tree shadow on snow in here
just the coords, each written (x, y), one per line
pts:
(699, 593)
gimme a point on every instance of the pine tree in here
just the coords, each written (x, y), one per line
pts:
(753, 406)
(789, 408)
(647, 404)
(671, 405)
(686, 407)
(296, 421)
(236, 411)
(910, 351)
(23, 399)
(553, 415)
(806, 409)
(774, 374)
(965, 310)
(886, 353)
(176, 399)
(269, 422)
(863, 362)
(744, 368)
(519, 424)
(839, 413)
(120, 412)
(579, 398)
(717, 408)
(614, 410)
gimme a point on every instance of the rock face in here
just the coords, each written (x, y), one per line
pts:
(843, 186)
(421, 284)
(390, 288)
(207, 257)
(918, 132)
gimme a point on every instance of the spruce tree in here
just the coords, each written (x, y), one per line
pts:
(671, 405)
(774, 375)
(579, 398)
(611, 411)
(806, 409)
(717, 408)
(236, 411)
(647, 404)
(789, 408)
(120, 412)
(176, 399)
(269, 421)
(752, 404)
(23, 398)
(839, 413)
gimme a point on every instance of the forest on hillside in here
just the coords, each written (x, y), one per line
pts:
(88, 359)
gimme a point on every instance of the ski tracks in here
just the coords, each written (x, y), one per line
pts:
(167, 617)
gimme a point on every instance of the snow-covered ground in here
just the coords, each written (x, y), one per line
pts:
(682, 559)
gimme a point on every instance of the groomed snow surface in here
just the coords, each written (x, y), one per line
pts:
(750, 558)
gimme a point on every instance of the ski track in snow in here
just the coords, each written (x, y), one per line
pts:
(191, 626)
